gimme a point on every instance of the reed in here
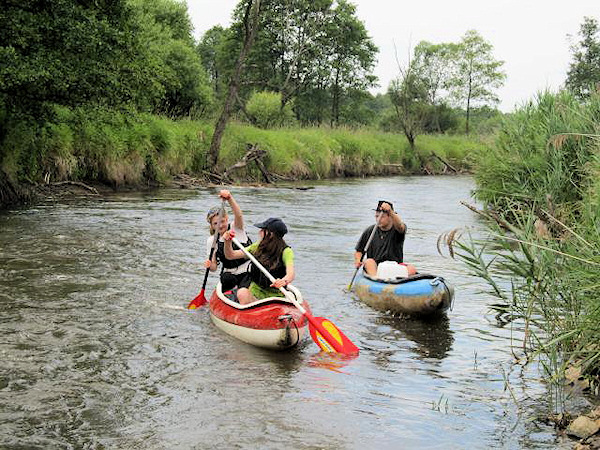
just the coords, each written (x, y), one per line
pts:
(541, 254)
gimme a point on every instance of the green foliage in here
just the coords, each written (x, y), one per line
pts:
(69, 53)
(583, 76)
(118, 54)
(476, 73)
(265, 110)
(210, 49)
(526, 160)
(181, 86)
(316, 54)
(542, 256)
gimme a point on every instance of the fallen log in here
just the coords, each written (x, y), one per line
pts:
(253, 153)
(75, 183)
(446, 163)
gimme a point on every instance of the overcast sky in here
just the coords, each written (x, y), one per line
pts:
(530, 36)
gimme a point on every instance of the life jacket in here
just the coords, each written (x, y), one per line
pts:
(261, 279)
(230, 263)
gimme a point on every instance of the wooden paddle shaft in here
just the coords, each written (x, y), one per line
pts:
(285, 292)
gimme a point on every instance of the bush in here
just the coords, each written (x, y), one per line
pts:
(265, 110)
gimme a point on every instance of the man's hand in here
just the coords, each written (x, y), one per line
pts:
(224, 194)
(386, 208)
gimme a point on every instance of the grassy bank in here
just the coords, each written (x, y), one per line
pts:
(540, 182)
(132, 149)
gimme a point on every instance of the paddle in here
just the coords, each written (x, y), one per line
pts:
(325, 334)
(200, 299)
(364, 253)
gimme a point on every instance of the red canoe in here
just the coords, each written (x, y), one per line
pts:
(273, 323)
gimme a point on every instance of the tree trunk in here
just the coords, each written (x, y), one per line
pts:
(468, 106)
(250, 26)
(335, 101)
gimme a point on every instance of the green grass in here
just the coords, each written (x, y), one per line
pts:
(127, 148)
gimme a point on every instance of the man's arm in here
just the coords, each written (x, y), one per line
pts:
(397, 222)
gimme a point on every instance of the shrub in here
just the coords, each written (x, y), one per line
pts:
(265, 110)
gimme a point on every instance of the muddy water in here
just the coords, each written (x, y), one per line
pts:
(98, 351)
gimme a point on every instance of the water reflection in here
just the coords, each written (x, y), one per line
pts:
(334, 362)
(433, 336)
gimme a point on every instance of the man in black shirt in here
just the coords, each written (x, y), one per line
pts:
(387, 243)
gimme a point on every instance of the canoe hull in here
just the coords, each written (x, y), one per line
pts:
(272, 323)
(419, 297)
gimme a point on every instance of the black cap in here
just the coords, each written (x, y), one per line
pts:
(384, 201)
(273, 224)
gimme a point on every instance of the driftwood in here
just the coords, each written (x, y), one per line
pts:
(76, 183)
(490, 214)
(254, 153)
(446, 163)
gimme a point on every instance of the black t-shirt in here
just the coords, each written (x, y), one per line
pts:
(385, 246)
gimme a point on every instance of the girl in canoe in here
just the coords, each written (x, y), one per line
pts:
(234, 272)
(273, 253)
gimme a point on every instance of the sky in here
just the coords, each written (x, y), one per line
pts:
(530, 36)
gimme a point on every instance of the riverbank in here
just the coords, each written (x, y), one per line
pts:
(122, 151)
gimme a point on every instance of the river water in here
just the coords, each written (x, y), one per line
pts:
(98, 350)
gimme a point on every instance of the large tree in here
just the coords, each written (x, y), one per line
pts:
(71, 53)
(114, 53)
(250, 24)
(583, 76)
(352, 55)
(433, 63)
(312, 52)
(209, 48)
(408, 94)
(477, 74)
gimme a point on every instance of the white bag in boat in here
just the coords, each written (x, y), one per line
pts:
(390, 270)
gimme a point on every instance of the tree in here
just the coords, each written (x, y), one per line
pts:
(583, 76)
(208, 48)
(71, 53)
(352, 55)
(476, 73)
(116, 53)
(307, 50)
(166, 30)
(250, 25)
(408, 94)
(434, 64)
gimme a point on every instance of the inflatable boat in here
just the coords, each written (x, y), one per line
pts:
(273, 323)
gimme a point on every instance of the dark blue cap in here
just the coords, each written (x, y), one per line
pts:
(274, 225)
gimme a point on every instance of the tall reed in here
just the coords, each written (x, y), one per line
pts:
(541, 256)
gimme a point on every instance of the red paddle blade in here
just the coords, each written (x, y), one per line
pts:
(327, 336)
(198, 301)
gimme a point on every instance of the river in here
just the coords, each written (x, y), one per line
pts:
(98, 350)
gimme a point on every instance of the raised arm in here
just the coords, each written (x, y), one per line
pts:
(238, 218)
(396, 220)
